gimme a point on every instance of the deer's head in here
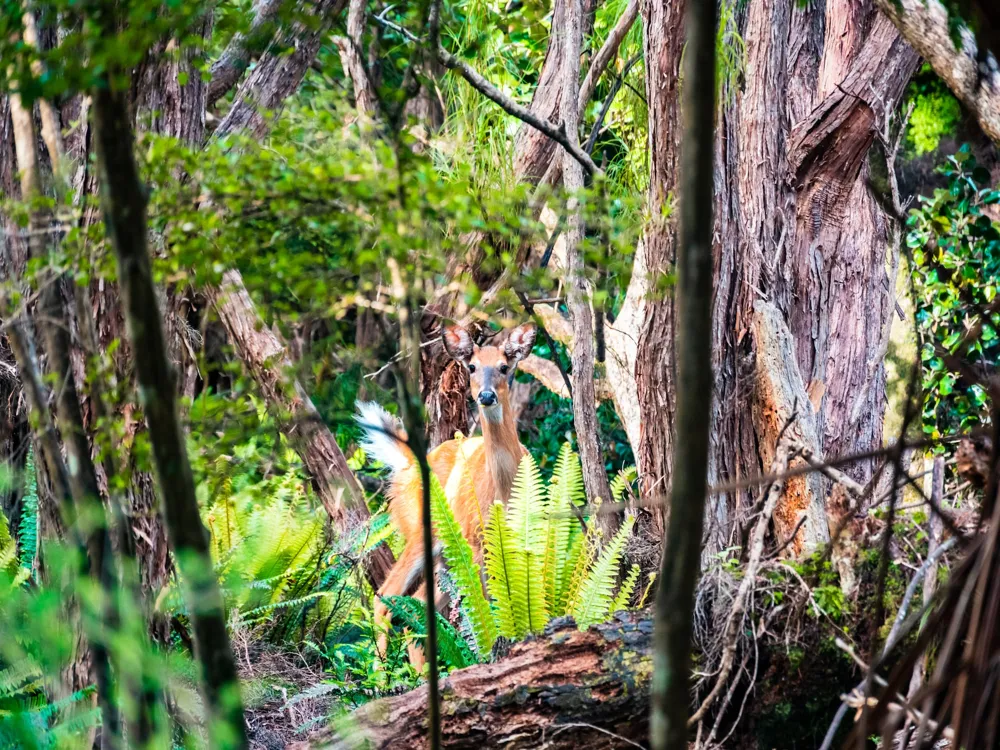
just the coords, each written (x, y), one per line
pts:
(491, 368)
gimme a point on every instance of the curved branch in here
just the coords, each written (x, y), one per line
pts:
(972, 75)
(508, 105)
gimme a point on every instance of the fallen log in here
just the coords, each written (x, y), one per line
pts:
(564, 689)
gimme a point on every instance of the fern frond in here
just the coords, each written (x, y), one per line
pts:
(565, 493)
(410, 613)
(621, 483)
(582, 555)
(464, 628)
(527, 518)
(464, 572)
(27, 531)
(502, 563)
(645, 592)
(625, 591)
(595, 594)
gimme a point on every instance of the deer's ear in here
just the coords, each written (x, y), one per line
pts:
(458, 343)
(519, 342)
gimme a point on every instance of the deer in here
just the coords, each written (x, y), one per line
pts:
(475, 472)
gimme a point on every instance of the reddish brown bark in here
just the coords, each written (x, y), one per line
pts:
(798, 228)
(663, 42)
(566, 689)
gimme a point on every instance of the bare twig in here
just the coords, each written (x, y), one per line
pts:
(556, 132)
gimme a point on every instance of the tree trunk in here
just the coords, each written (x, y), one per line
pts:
(266, 356)
(798, 229)
(681, 564)
(125, 219)
(262, 351)
(276, 75)
(663, 43)
(578, 292)
(566, 689)
(14, 432)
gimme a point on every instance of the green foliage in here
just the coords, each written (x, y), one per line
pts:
(464, 572)
(594, 601)
(540, 563)
(552, 423)
(956, 260)
(936, 111)
(453, 651)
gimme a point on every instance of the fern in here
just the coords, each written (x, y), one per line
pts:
(582, 554)
(8, 550)
(595, 594)
(502, 566)
(464, 572)
(526, 515)
(565, 494)
(27, 531)
(465, 628)
(622, 482)
(410, 613)
(625, 591)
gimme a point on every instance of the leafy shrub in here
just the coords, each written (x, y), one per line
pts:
(956, 261)
(936, 111)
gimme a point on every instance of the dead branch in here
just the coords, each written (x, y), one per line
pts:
(856, 489)
(556, 132)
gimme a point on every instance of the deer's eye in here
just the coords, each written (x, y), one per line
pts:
(504, 369)
(472, 369)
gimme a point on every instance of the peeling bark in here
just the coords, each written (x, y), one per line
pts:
(780, 398)
(663, 43)
(797, 228)
(566, 689)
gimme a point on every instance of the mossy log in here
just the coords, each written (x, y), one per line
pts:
(563, 689)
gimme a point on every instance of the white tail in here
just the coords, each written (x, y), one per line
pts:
(383, 436)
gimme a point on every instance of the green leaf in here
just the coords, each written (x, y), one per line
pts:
(464, 571)
(410, 613)
(595, 595)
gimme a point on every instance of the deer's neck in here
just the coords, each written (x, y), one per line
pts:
(503, 449)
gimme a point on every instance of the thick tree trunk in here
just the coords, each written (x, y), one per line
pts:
(800, 231)
(566, 690)
(663, 43)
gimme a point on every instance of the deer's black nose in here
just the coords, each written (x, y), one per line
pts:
(487, 398)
